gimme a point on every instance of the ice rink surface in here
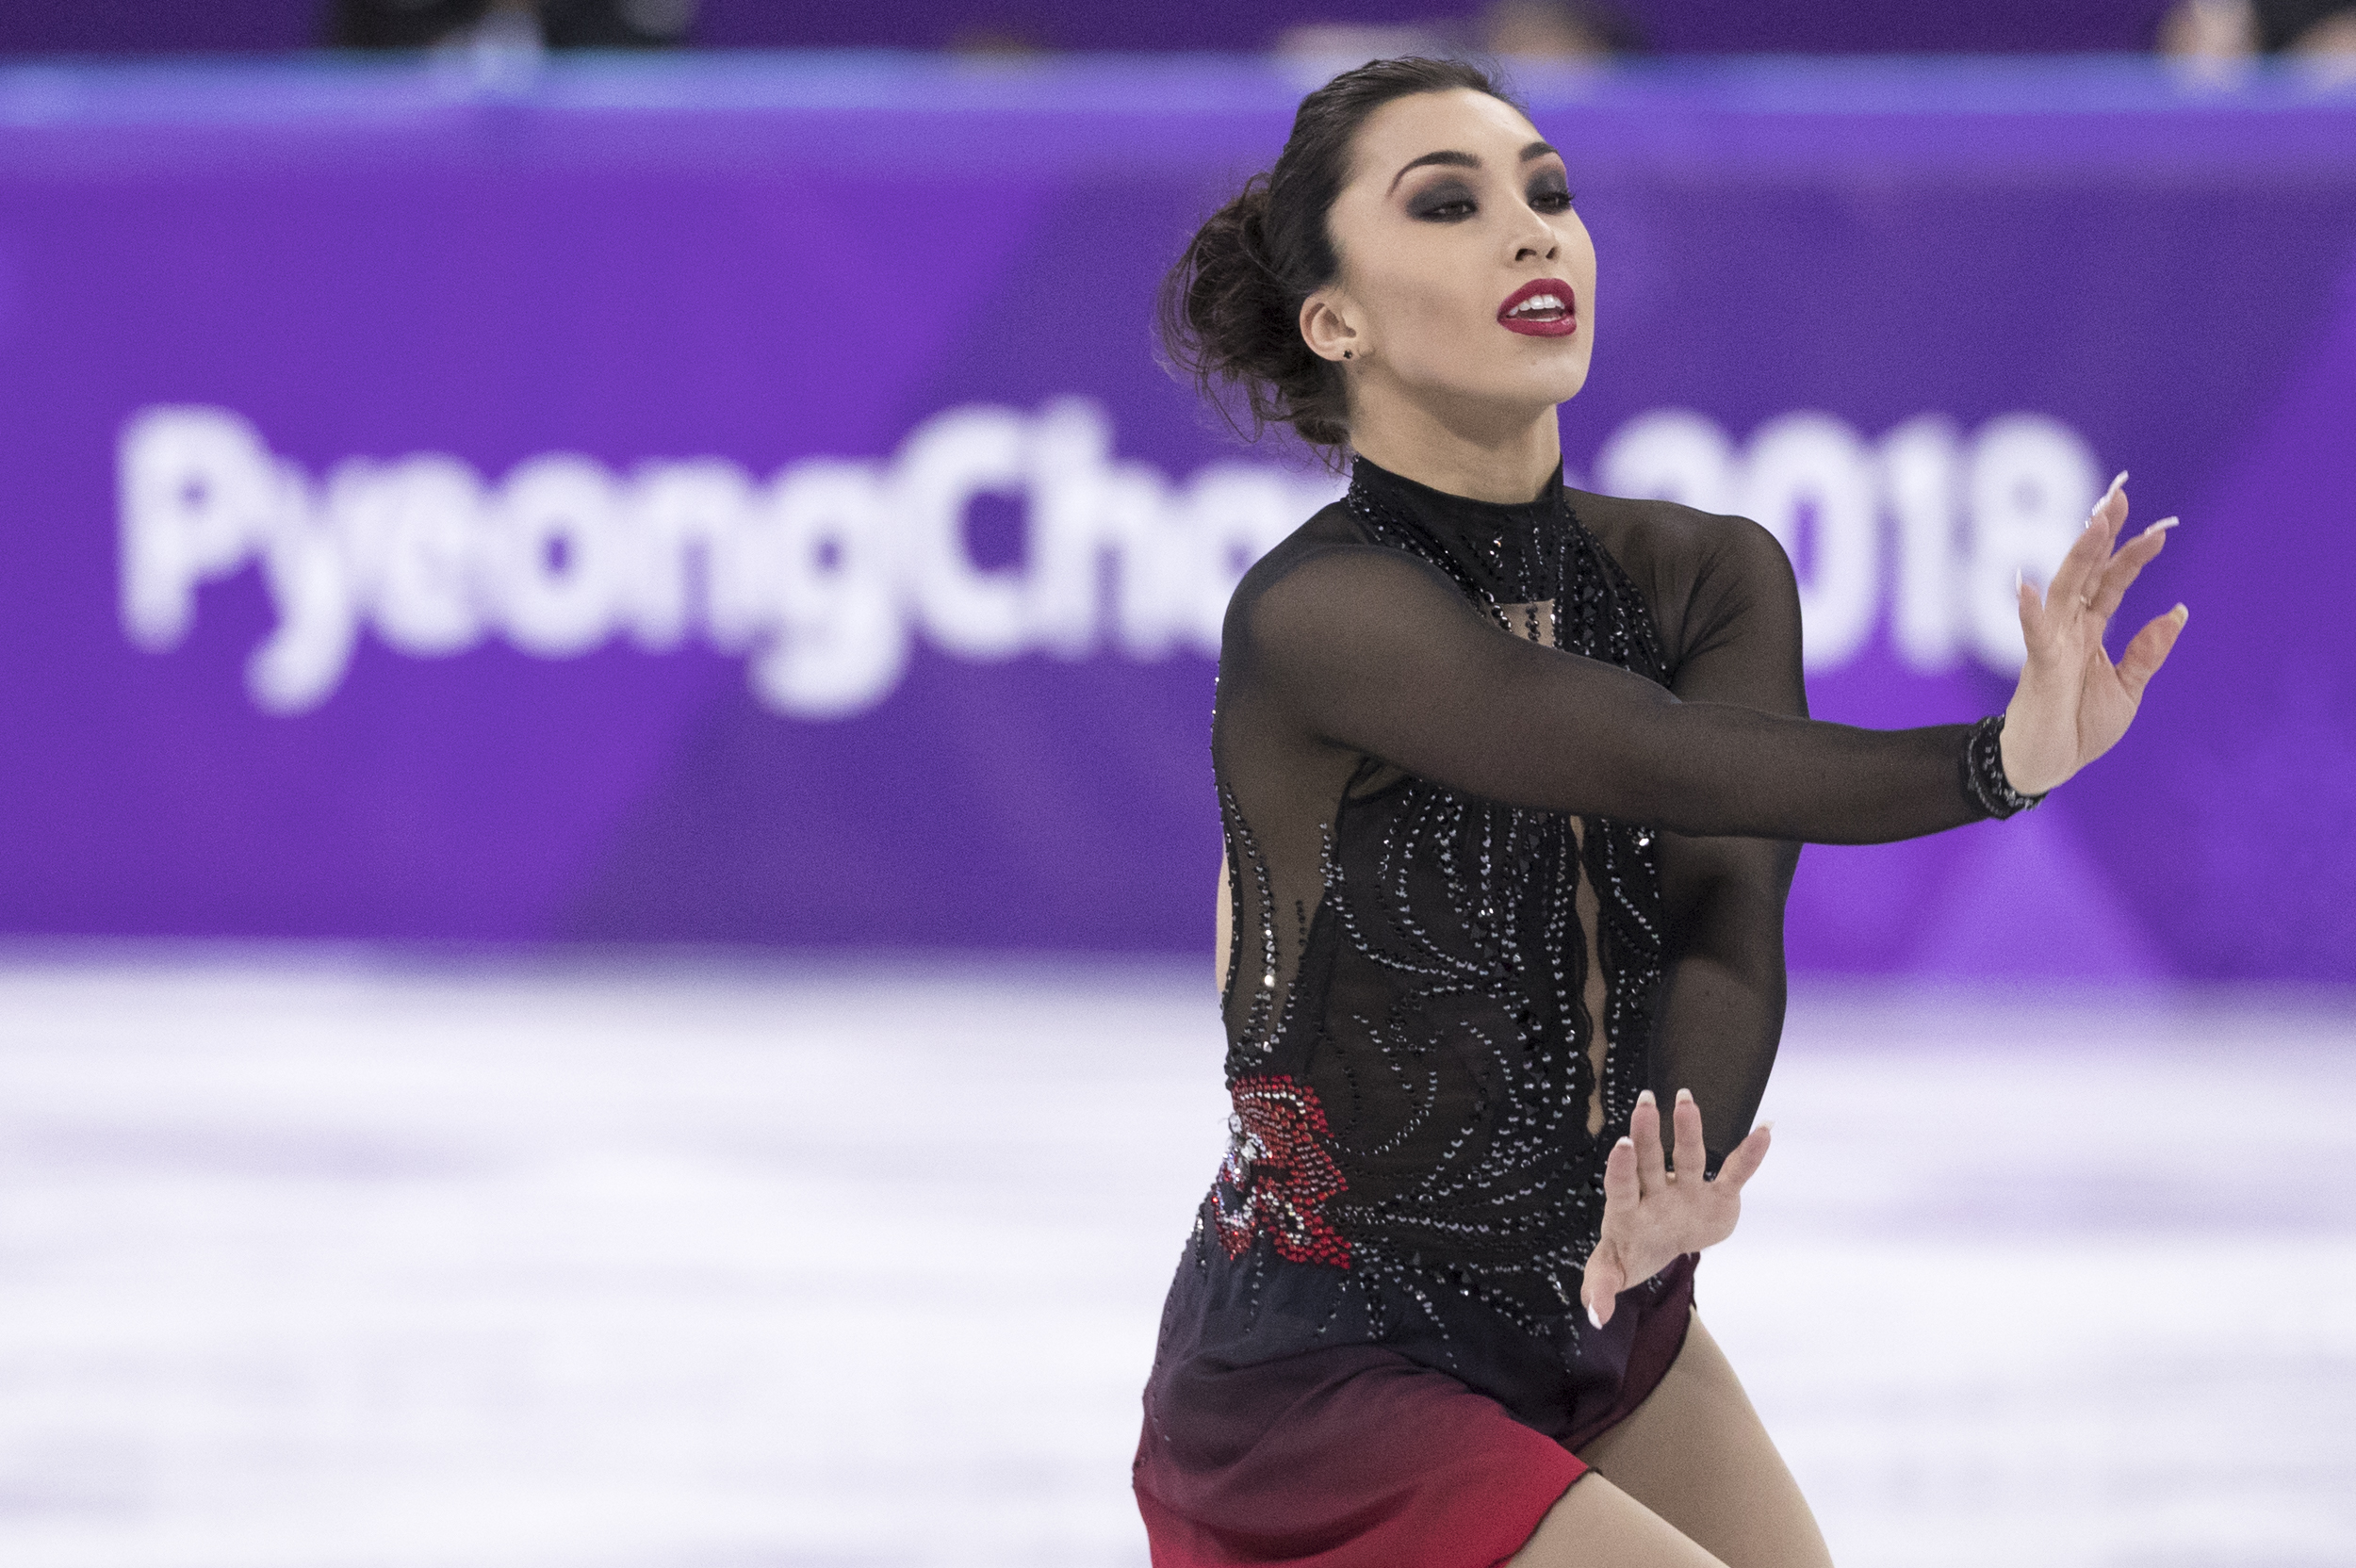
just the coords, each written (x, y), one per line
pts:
(320, 1261)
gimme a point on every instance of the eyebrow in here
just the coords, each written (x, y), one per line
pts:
(1465, 160)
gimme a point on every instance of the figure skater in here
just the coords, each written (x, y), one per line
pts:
(1511, 781)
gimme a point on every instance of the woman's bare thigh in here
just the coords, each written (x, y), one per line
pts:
(1595, 1525)
(1696, 1455)
(1689, 1481)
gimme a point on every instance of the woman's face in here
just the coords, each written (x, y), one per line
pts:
(1467, 283)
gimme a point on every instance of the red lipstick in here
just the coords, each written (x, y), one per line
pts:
(1544, 308)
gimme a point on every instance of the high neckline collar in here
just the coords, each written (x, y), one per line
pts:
(1440, 506)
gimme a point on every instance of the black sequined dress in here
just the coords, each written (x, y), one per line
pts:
(1512, 798)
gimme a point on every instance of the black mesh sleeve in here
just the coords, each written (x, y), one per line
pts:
(1721, 1011)
(1376, 652)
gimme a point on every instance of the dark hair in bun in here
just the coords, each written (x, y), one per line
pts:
(1229, 314)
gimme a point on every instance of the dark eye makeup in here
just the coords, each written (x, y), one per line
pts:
(1443, 202)
(1452, 200)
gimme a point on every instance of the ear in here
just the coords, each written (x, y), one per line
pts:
(1325, 326)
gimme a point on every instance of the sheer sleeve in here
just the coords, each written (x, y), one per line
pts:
(1721, 1011)
(1371, 650)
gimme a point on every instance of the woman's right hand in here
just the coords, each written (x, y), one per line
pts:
(2073, 704)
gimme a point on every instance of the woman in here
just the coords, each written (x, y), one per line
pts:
(1509, 777)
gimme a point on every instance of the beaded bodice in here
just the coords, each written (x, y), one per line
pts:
(1438, 1022)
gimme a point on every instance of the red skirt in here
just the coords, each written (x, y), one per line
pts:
(1357, 1457)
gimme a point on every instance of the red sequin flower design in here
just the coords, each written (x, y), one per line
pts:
(1279, 1174)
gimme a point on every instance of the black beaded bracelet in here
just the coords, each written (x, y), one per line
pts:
(1984, 777)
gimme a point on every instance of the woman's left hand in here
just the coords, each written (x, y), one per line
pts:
(1653, 1214)
(2072, 703)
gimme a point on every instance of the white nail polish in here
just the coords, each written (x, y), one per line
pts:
(1593, 1319)
(2117, 482)
(1684, 1094)
(1644, 1097)
(2163, 523)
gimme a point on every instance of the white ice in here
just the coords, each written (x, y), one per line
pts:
(334, 1262)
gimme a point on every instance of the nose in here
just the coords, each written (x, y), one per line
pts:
(1535, 239)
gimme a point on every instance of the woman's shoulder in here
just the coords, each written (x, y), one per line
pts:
(1330, 543)
(1327, 573)
(1700, 572)
(1674, 545)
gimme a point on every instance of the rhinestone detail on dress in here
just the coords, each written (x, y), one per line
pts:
(1279, 1174)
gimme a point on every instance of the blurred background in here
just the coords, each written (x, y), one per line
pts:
(605, 664)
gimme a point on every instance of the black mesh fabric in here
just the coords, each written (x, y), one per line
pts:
(1512, 798)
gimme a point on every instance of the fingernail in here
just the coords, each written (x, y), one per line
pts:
(1684, 1096)
(2163, 523)
(2181, 614)
(1625, 1143)
(2019, 580)
(1768, 1128)
(1592, 1316)
(2117, 482)
(1644, 1097)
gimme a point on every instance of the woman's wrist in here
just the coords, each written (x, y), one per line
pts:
(1984, 782)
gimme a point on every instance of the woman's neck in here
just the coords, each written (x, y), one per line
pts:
(1506, 460)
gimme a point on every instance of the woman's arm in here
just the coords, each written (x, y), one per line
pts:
(1373, 651)
(1721, 1011)
(1722, 1006)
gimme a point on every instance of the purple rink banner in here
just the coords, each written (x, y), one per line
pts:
(736, 499)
